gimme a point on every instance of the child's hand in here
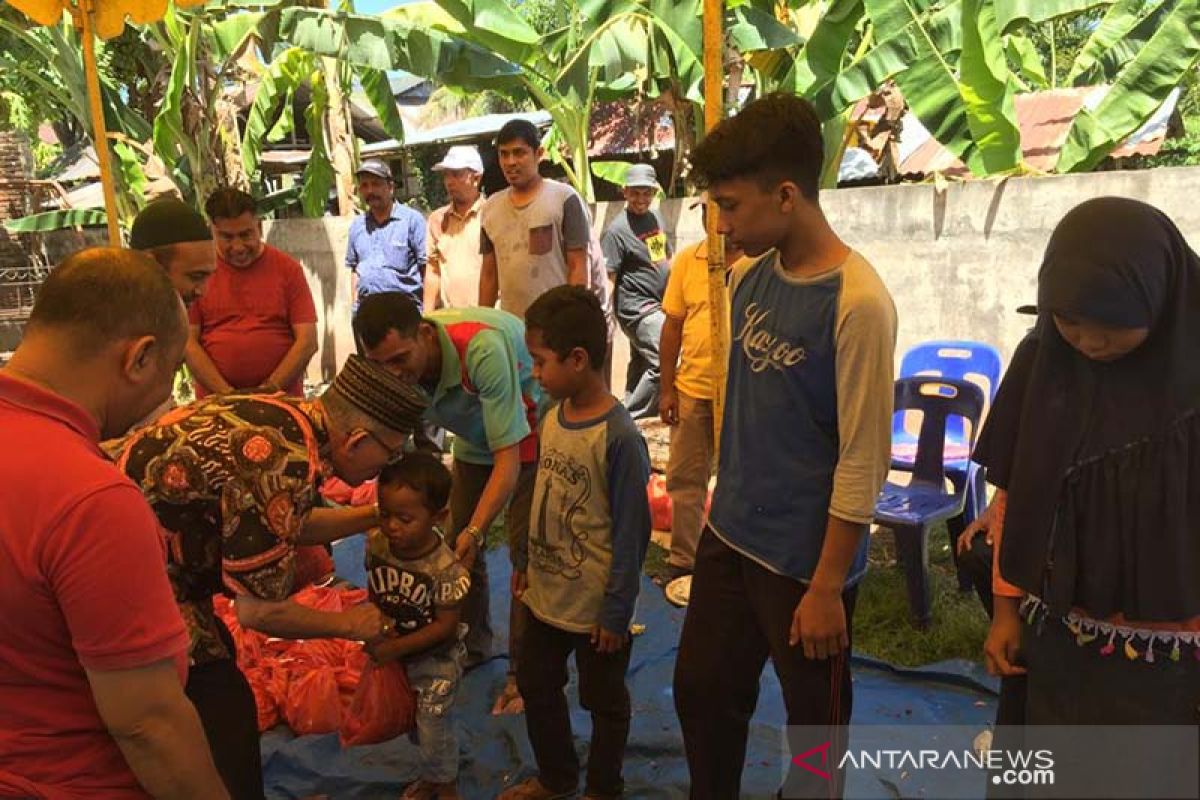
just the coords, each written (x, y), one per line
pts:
(520, 582)
(380, 650)
(605, 641)
(981, 524)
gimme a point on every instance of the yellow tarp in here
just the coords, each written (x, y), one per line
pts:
(109, 15)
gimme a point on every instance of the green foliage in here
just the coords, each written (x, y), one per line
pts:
(57, 220)
(433, 189)
(545, 16)
(882, 626)
(1183, 151)
(1172, 52)
(45, 154)
(612, 171)
(959, 63)
(319, 177)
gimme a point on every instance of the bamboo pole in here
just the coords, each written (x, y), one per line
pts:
(99, 131)
(714, 97)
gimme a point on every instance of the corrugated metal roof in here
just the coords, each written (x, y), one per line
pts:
(85, 167)
(472, 128)
(1045, 119)
(623, 128)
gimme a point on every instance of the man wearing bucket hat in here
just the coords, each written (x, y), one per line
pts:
(386, 252)
(638, 256)
(233, 482)
(454, 260)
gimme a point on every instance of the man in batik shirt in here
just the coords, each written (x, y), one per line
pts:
(233, 481)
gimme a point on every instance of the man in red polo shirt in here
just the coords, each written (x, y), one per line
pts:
(94, 648)
(256, 325)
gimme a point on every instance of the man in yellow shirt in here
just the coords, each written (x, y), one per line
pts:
(686, 398)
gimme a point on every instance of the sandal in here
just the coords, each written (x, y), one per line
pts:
(532, 789)
(509, 700)
(679, 591)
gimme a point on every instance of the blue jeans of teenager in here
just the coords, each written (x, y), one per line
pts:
(435, 679)
(641, 390)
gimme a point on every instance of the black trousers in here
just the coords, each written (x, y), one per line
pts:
(223, 699)
(469, 483)
(739, 614)
(542, 676)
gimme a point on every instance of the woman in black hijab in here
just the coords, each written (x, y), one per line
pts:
(1101, 451)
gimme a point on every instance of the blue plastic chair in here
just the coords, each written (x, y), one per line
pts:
(962, 360)
(910, 510)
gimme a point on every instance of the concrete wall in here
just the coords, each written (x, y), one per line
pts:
(320, 245)
(958, 262)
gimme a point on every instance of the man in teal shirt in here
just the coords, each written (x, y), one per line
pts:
(475, 366)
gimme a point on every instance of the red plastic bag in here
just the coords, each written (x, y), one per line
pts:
(314, 565)
(660, 503)
(365, 494)
(337, 490)
(264, 700)
(384, 706)
(313, 704)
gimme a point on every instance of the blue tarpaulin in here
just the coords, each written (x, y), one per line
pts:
(495, 751)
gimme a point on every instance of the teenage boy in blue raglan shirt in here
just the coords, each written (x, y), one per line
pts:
(804, 450)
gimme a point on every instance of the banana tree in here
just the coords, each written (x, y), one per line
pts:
(327, 52)
(948, 58)
(960, 63)
(608, 49)
(196, 126)
(1141, 49)
(59, 74)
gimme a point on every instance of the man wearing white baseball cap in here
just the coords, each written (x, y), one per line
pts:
(454, 260)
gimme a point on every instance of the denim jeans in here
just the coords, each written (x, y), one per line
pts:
(641, 396)
(435, 679)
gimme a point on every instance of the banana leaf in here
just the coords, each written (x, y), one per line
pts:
(47, 221)
(1141, 87)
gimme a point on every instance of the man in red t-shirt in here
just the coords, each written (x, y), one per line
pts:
(94, 648)
(256, 325)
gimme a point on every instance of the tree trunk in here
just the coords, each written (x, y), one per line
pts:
(339, 136)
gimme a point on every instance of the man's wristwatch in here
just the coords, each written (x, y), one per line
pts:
(476, 534)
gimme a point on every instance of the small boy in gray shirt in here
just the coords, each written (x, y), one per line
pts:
(579, 571)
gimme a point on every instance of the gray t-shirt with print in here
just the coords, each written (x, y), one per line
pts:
(531, 241)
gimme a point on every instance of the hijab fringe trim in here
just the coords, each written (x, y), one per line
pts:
(1137, 643)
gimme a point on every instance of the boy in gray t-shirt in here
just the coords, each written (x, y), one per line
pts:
(579, 570)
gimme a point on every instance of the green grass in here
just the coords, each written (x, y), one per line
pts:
(882, 627)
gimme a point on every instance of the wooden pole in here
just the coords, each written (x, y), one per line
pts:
(99, 131)
(714, 97)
